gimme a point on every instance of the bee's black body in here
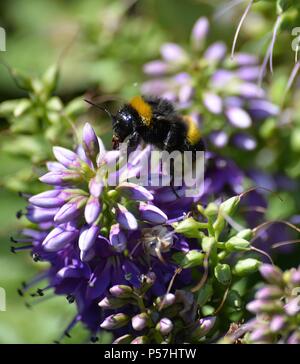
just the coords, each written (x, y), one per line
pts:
(155, 121)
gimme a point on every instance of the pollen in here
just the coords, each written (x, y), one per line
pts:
(194, 133)
(143, 109)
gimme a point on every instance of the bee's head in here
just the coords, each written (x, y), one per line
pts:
(123, 124)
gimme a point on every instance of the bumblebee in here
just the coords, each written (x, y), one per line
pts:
(155, 121)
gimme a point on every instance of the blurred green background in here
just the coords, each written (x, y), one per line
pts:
(100, 47)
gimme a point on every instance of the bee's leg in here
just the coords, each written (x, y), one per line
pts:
(173, 178)
(170, 145)
(133, 140)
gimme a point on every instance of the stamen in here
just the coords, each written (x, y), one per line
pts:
(19, 214)
(14, 250)
(292, 78)
(239, 27)
(70, 327)
(70, 298)
(264, 66)
(284, 243)
(263, 253)
(275, 31)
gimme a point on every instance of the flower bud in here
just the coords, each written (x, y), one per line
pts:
(204, 326)
(134, 192)
(152, 214)
(88, 237)
(223, 273)
(237, 244)
(173, 53)
(140, 321)
(208, 244)
(292, 308)
(140, 340)
(211, 210)
(121, 291)
(165, 326)
(199, 32)
(125, 339)
(61, 178)
(246, 234)
(260, 335)
(192, 258)
(126, 218)
(70, 210)
(189, 227)
(58, 238)
(269, 292)
(166, 301)
(47, 199)
(246, 266)
(277, 323)
(116, 321)
(227, 208)
(264, 306)
(117, 238)
(92, 209)
(66, 157)
(271, 274)
(90, 142)
(111, 303)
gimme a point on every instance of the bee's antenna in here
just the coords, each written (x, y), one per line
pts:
(100, 108)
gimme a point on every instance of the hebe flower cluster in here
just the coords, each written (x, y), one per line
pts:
(94, 234)
(276, 307)
(222, 93)
(134, 249)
